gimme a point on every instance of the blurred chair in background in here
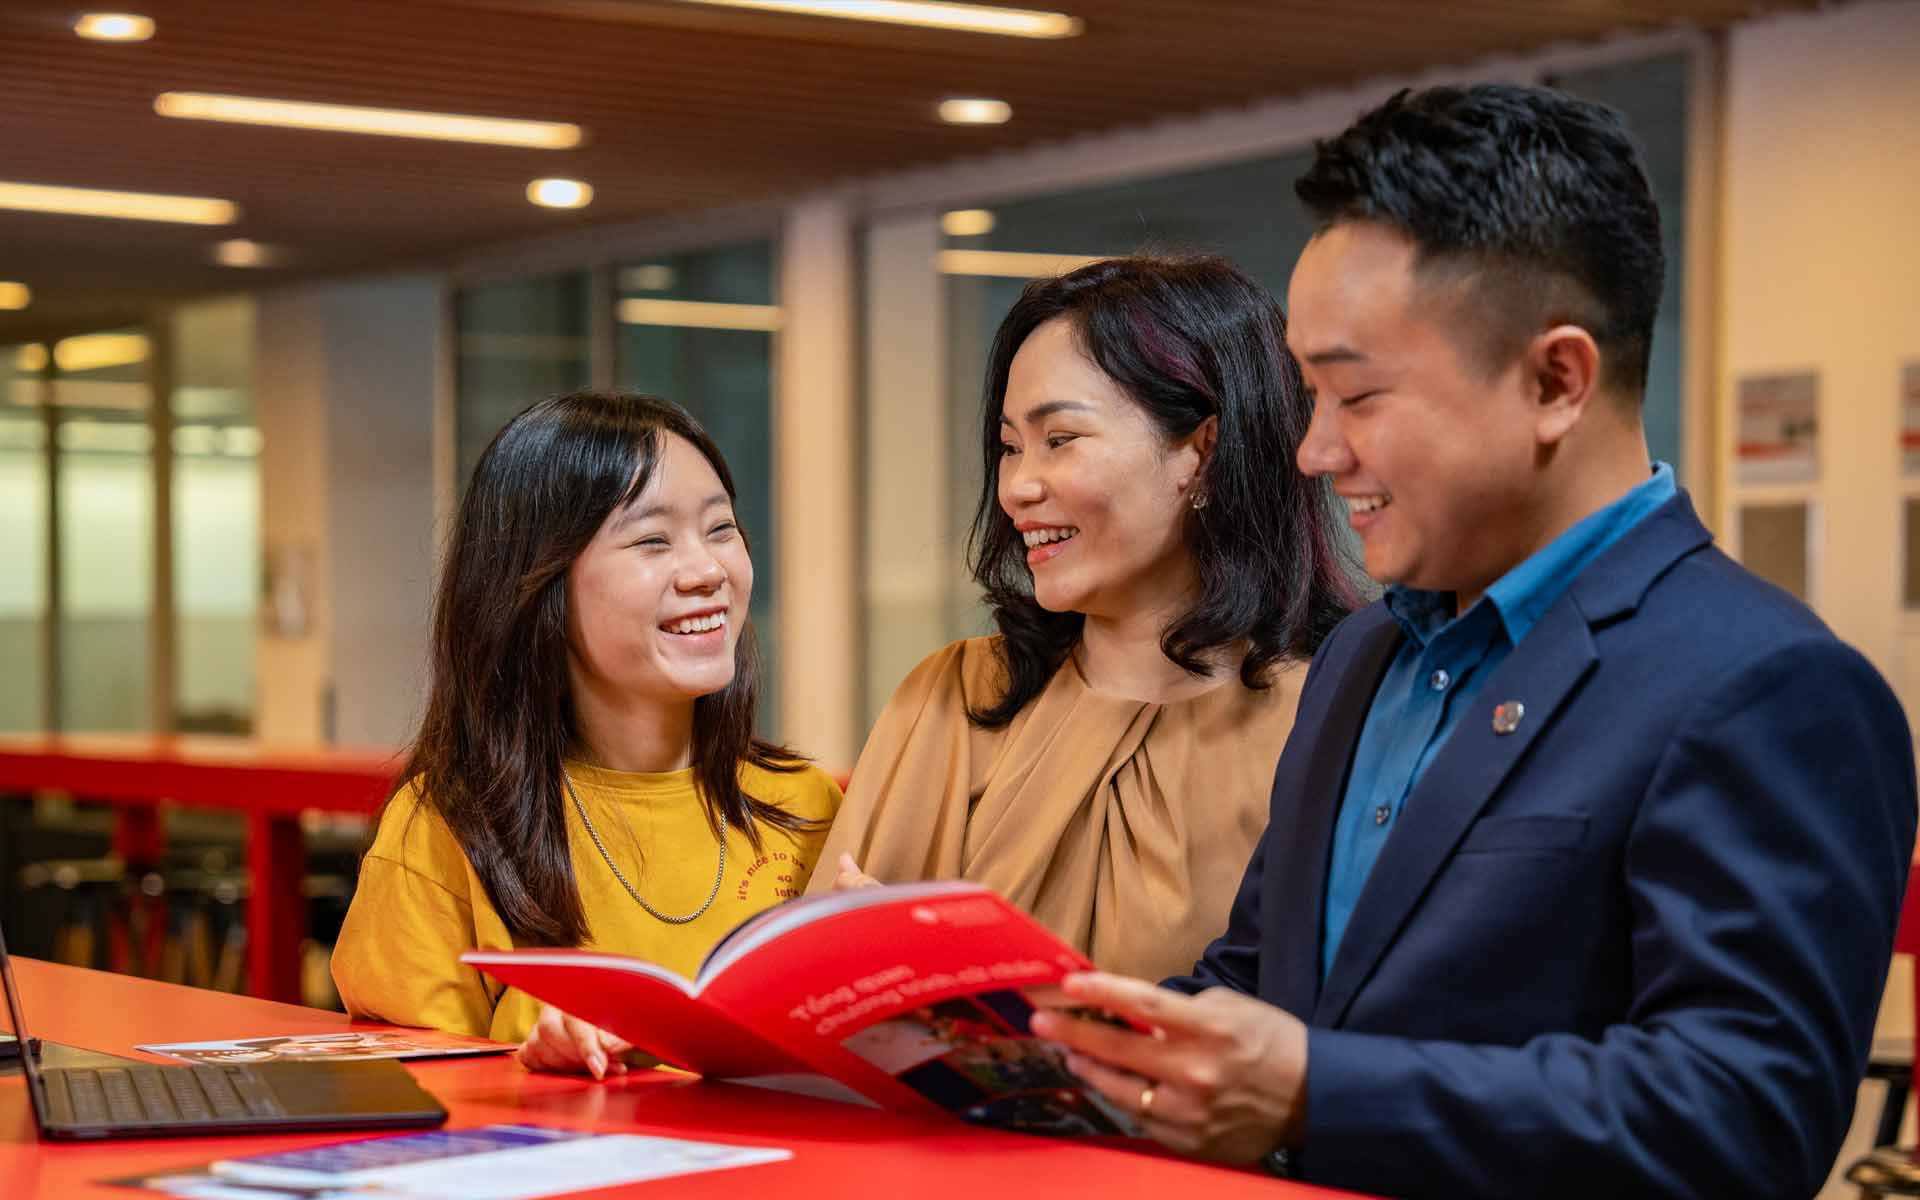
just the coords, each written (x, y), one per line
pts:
(179, 918)
(1891, 1169)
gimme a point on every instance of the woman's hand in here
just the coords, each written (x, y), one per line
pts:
(851, 876)
(564, 1043)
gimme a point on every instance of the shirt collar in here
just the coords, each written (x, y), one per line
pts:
(1524, 594)
(1421, 614)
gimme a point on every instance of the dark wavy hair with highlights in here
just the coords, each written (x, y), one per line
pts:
(1186, 338)
(499, 716)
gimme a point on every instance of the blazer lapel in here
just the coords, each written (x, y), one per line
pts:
(1541, 673)
(1297, 897)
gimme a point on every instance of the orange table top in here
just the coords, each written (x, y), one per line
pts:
(837, 1148)
(217, 772)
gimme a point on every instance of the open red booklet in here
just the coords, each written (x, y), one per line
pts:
(902, 996)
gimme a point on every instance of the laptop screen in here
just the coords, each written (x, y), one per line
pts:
(27, 1063)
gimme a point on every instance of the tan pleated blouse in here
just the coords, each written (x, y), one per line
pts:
(1124, 826)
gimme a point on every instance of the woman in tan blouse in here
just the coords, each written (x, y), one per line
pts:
(1159, 574)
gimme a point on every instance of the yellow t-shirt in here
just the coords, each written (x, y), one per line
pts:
(419, 904)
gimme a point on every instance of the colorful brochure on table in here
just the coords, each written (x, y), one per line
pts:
(495, 1162)
(915, 997)
(345, 1046)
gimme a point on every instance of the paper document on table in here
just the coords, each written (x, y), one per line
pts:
(495, 1162)
(344, 1046)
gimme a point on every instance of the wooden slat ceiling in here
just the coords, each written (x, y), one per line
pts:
(685, 107)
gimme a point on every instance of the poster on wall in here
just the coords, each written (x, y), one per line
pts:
(1910, 419)
(1779, 428)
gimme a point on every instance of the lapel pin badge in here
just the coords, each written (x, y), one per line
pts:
(1506, 716)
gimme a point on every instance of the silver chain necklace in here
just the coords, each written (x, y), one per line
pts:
(593, 833)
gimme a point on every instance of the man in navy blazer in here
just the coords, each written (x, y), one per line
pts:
(1587, 847)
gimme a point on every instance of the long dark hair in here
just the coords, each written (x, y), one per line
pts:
(1187, 338)
(499, 717)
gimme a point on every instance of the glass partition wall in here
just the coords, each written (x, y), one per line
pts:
(215, 518)
(515, 343)
(694, 327)
(698, 329)
(23, 538)
(104, 531)
(89, 622)
(1652, 95)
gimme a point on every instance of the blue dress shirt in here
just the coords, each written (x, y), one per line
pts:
(1433, 678)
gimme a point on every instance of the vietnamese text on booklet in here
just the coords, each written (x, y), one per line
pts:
(903, 996)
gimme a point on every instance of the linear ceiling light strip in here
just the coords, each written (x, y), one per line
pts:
(699, 314)
(1010, 264)
(125, 206)
(968, 18)
(383, 122)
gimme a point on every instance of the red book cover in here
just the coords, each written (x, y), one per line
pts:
(907, 996)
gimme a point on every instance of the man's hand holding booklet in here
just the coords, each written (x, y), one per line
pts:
(908, 996)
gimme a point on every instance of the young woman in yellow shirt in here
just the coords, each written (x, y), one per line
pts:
(586, 773)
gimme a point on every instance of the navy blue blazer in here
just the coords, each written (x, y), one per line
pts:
(1634, 946)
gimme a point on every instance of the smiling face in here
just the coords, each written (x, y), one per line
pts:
(1096, 492)
(1437, 458)
(656, 600)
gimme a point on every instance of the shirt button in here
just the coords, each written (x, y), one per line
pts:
(1381, 813)
(1439, 680)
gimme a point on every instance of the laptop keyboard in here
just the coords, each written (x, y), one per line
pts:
(167, 1095)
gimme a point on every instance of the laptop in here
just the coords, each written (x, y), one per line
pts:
(71, 1103)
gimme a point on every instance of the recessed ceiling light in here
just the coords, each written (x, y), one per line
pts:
(967, 222)
(560, 193)
(114, 27)
(126, 206)
(15, 295)
(386, 122)
(244, 252)
(969, 18)
(975, 110)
